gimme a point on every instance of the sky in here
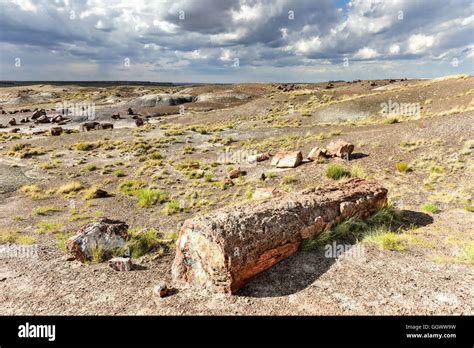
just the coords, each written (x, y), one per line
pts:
(234, 41)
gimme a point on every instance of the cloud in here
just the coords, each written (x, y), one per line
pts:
(203, 38)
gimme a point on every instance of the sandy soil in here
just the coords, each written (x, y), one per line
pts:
(433, 274)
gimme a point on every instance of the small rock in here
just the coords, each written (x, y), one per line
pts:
(121, 264)
(56, 131)
(42, 119)
(38, 113)
(105, 126)
(139, 121)
(130, 111)
(234, 173)
(115, 116)
(12, 122)
(57, 119)
(88, 126)
(259, 157)
(99, 193)
(227, 183)
(161, 290)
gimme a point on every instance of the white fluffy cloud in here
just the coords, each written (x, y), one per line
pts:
(202, 37)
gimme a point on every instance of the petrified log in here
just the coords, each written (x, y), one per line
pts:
(287, 159)
(224, 249)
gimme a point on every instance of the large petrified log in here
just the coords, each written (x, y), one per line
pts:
(221, 251)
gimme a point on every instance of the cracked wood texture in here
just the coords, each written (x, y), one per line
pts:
(223, 250)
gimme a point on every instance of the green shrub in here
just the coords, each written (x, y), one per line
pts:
(336, 172)
(402, 167)
(148, 197)
(430, 208)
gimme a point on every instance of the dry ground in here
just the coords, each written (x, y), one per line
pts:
(428, 269)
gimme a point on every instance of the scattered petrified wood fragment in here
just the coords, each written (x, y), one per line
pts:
(287, 159)
(340, 148)
(316, 153)
(222, 250)
(259, 157)
(234, 173)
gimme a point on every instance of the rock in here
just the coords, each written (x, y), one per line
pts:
(287, 159)
(316, 153)
(88, 126)
(161, 290)
(329, 86)
(42, 119)
(259, 157)
(139, 122)
(267, 192)
(36, 114)
(57, 119)
(130, 111)
(116, 116)
(106, 234)
(99, 193)
(25, 120)
(15, 130)
(2, 126)
(227, 183)
(56, 131)
(12, 122)
(121, 264)
(221, 251)
(234, 173)
(152, 100)
(373, 84)
(105, 126)
(340, 148)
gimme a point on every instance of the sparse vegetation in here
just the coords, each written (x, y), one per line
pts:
(337, 172)
(402, 167)
(430, 208)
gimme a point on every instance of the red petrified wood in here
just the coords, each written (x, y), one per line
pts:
(222, 250)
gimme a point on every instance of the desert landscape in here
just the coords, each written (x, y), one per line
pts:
(155, 155)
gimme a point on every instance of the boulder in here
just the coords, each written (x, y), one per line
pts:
(223, 250)
(121, 264)
(287, 159)
(340, 148)
(130, 111)
(56, 131)
(316, 153)
(115, 116)
(12, 122)
(106, 234)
